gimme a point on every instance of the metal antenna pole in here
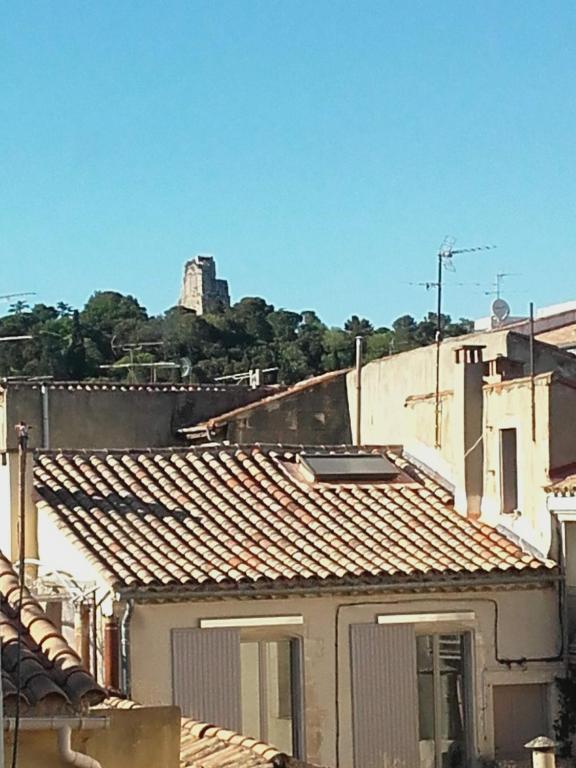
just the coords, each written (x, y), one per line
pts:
(438, 346)
(22, 437)
(445, 253)
(358, 390)
(532, 375)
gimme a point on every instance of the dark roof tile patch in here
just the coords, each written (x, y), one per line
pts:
(53, 680)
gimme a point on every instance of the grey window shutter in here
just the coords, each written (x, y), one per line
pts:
(384, 696)
(206, 675)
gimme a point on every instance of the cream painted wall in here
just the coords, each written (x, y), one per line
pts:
(136, 738)
(57, 551)
(525, 620)
(509, 406)
(388, 417)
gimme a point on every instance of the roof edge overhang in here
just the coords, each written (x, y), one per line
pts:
(545, 576)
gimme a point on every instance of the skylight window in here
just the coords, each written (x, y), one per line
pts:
(348, 467)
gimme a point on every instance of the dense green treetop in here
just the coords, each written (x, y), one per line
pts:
(115, 329)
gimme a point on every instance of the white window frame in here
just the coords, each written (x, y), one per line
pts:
(425, 618)
(296, 683)
(252, 621)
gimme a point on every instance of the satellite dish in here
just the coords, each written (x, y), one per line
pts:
(500, 310)
(185, 366)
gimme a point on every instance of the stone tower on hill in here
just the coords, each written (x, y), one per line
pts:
(201, 291)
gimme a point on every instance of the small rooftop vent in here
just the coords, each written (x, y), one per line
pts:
(348, 467)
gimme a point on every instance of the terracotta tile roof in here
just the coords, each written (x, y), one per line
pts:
(295, 389)
(203, 745)
(242, 517)
(563, 481)
(53, 680)
(118, 386)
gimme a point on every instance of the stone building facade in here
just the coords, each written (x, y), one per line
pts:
(201, 290)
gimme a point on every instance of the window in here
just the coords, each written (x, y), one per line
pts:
(242, 682)
(269, 671)
(508, 471)
(443, 700)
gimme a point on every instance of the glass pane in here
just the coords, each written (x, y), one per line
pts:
(441, 700)
(425, 673)
(452, 701)
(250, 682)
(279, 695)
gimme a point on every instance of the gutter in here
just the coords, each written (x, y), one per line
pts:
(63, 726)
(125, 677)
(180, 594)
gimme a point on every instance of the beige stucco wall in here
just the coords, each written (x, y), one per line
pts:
(100, 418)
(389, 417)
(136, 738)
(527, 626)
(509, 406)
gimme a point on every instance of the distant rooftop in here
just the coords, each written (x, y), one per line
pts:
(547, 318)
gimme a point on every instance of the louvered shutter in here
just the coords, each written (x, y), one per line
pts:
(384, 696)
(206, 675)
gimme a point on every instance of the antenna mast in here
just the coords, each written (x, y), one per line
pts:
(445, 255)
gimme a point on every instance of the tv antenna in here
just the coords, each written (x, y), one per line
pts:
(131, 348)
(496, 289)
(445, 257)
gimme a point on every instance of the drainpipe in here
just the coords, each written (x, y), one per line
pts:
(69, 755)
(125, 647)
(63, 726)
(45, 417)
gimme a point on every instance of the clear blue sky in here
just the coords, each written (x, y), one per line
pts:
(320, 149)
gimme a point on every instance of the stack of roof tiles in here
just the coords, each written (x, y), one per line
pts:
(52, 680)
(243, 518)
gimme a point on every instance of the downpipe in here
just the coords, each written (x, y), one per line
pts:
(63, 727)
(125, 676)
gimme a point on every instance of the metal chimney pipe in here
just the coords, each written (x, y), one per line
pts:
(358, 434)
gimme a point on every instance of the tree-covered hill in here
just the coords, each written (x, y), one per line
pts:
(72, 344)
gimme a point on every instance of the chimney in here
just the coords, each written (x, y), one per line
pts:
(468, 429)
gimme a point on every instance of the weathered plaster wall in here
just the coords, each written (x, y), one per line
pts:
(99, 418)
(137, 738)
(509, 406)
(398, 395)
(313, 416)
(325, 634)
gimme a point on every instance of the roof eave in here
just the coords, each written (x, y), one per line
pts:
(529, 577)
